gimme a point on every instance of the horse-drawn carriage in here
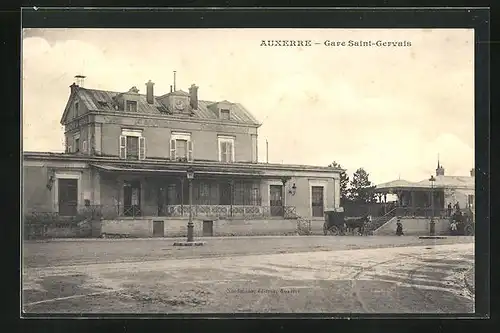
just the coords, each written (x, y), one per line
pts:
(336, 223)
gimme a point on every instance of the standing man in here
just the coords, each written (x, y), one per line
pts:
(450, 209)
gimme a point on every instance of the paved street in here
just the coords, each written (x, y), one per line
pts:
(336, 274)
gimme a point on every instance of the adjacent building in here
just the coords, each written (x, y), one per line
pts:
(129, 155)
(420, 198)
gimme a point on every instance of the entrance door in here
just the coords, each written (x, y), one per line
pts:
(132, 198)
(68, 197)
(276, 200)
(317, 201)
(162, 200)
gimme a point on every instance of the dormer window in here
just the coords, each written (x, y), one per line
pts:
(131, 106)
(224, 114)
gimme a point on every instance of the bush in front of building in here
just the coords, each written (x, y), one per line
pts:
(49, 224)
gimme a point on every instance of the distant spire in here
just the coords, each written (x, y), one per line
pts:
(439, 169)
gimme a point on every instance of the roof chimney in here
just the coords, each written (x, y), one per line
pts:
(73, 87)
(174, 80)
(149, 92)
(473, 172)
(80, 80)
(171, 88)
(193, 96)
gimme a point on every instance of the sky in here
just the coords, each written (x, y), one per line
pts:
(389, 110)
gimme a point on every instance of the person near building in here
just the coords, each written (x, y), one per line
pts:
(450, 209)
(453, 227)
(399, 229)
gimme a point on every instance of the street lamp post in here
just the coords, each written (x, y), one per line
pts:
(432, 226)
(190, 176)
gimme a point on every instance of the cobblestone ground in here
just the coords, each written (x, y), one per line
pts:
(341, 275)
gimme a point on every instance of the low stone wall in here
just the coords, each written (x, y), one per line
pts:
(222, 227)
(414, 226)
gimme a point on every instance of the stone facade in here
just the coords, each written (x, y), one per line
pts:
(115, 139)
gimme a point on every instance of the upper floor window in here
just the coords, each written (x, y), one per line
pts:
(84, 146)
(77, 106)
(224, 114)
(68, 145)
(226, 148)
(181, 146)
(77, 142)
(131, 106)
(132, 145)
(470, 200)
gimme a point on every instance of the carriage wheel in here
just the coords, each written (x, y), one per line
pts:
(334, 231)
(325, 229)
(469, 230)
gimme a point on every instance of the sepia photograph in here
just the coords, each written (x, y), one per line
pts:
(212, 171)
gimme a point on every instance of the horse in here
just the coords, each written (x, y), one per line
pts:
(358, 223)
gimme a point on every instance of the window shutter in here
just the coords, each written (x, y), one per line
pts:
(229, 149)
(222, 153)
(123, 146)
(172, 149)
(190, 150)
(224, 148)
(142, 148)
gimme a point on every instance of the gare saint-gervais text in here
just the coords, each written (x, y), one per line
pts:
(342, 43)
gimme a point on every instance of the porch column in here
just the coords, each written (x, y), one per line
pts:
(284, 180)
(413, 201)
(231, 196)
(182, 196)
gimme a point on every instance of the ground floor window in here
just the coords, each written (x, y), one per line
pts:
(246, 194)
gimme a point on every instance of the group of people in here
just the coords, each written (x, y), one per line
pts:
(453, 224)
(450, 208)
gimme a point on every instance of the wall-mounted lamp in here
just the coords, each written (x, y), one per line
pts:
(190, 174)
(293, 189)
(50, 182)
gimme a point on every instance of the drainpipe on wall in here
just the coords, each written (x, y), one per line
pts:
(334, 194)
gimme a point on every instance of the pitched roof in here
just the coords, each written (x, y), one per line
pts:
(395, 183)
(441, 181)
(450, 181)
(102, 100)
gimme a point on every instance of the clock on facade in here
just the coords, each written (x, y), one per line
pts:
(179, 104)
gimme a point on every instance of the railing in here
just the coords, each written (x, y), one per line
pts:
(422, 212)
(197, 211)
(377, 222)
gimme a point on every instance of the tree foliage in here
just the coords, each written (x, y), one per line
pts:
(344, 182)
(361, 188)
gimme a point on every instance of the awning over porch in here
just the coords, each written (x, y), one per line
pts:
(177, 171)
